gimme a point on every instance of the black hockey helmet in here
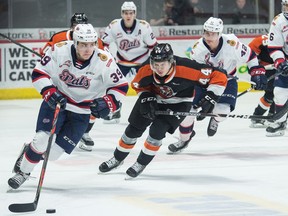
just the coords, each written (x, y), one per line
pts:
(78, 18)
(162, 52)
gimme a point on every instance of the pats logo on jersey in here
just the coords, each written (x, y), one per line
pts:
(128, 45)
(72, 81)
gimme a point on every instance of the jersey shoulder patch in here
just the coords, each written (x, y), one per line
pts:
(60, 44)
(195, 45)
(114, 21)
(231, 42)
(143, 22)
(102, 57)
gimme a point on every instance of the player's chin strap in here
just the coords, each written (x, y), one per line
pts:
(274, 117)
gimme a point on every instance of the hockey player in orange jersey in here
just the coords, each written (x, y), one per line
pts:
(164, 82)
(259, 46)
(77, 18)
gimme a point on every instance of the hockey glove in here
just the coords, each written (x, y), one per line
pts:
(52, 97)
(148, 105)
(282, 66)
(258, 77)
(206, 103)
(101, 107)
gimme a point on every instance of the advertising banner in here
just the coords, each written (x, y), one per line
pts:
(17, 63)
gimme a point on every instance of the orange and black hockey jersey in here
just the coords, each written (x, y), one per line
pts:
(179, 85)
(259, 46)
(63, 36)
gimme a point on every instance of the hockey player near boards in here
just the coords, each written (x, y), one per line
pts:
(86, 143)
(84, 80)
(278, 49)
(164, 82)
(134, 40)
(224, 51)
(259, 46)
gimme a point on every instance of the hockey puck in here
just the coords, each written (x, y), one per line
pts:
(49, 211)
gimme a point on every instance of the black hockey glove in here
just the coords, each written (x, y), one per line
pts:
(207, 104)
(282, 66)
(148, 105)
(101, 107)
(52, 97)
(258, 77)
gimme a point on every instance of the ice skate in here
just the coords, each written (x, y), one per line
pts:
(16, 167)
(180, 145)
(86, 143)
(276, 129)
(18, 179)
(135, 170)
(113, 118)
(109, 165)
(212, 127)
(258, 123)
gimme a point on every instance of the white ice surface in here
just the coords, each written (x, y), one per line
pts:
(237, 172)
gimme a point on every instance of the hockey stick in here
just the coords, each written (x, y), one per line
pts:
(275, 116)
(15, 42)
(28, 207)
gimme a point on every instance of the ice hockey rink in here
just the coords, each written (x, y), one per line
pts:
(238, 172)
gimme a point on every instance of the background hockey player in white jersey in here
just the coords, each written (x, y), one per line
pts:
(84, 80)
(223, 51)
(134, 40)
(278, 49)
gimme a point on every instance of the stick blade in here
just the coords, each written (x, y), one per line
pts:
(22, 207)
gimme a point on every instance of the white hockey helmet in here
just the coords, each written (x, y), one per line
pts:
(284, 4)
(128, 5)
(84, 33)
(214, 25)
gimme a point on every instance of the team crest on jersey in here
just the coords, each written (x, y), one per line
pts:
(72, 81)
(60, 44)
(231, 42)
(166, 91)
(103, 57)
(128, 45)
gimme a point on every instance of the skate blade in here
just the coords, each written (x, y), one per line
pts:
(84, 148)
(277, 134)
(10, 189)
(258, 126)
(112, 121)
(129, 178)
(173, 153)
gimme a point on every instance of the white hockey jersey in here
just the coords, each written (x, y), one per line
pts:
(278, 34)
(229, 54)
(134, 44)
(79, 83)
